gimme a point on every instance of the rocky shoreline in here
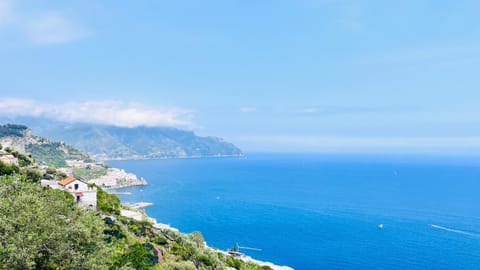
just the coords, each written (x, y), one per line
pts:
(132, 210)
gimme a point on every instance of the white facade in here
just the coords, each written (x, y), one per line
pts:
(82, 193)
(89, 198)
(76, 186)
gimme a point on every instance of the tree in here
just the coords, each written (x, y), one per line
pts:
(41, 229)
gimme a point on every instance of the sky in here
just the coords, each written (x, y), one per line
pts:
(280, 75)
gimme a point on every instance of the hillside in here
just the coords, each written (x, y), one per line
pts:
(44, 151)
(43, 228)
(109, 142)
(19, 141)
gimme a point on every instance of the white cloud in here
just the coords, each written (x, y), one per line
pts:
(115, 113)
(38, 27)
(248, 109)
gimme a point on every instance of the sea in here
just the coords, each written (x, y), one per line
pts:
(323, 211)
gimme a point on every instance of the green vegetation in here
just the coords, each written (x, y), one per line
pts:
(23, 159)
(60, 175)
(54, 154)
(148, 142)
(32, 175)
(51, 170)
(48, 154)
(12, 130)
(89, 172)
(108, 203)
(42, 228)
(8, 169)
(25, 174)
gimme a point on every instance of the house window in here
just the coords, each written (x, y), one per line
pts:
(76, 186)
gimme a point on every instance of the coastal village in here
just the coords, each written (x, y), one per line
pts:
(93, 177)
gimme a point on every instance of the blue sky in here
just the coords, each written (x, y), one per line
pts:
(305, 75)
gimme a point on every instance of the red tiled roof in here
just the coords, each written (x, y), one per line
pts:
(67, 180)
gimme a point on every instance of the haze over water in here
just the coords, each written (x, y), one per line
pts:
(313, 211)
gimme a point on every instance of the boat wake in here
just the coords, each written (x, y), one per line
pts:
(454, 230)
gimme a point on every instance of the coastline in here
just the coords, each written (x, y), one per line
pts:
(106, 159)
(133, 210)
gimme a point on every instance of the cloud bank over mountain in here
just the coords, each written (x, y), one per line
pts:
(107, 112)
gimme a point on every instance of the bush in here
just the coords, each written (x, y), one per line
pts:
(178, 266)
(108, 203)
(23, 159)
(160, 240)
(8, 169)
(32, 175)
(235, 263)
(197, 238)
(61, 175)
(204, 259)
(138, 256)
(113, 232)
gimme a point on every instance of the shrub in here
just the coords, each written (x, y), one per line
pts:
(138, 256)
(235, 263)
(61, 175)
(178, 266)
(23, 159)
(108, 203)
(8, 169)
(204, 259)
(113, 231)
(32, 175)
(197, 238)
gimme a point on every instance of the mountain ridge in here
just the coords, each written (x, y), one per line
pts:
(103, 142)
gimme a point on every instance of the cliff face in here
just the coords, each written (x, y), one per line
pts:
(17, 136)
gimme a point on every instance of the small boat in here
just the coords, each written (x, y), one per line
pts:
(380, 226)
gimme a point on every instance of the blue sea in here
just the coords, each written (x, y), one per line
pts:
(313, 211)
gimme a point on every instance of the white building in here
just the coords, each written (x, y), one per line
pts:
(83, 193)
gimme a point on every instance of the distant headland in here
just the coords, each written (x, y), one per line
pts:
(104, 142)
